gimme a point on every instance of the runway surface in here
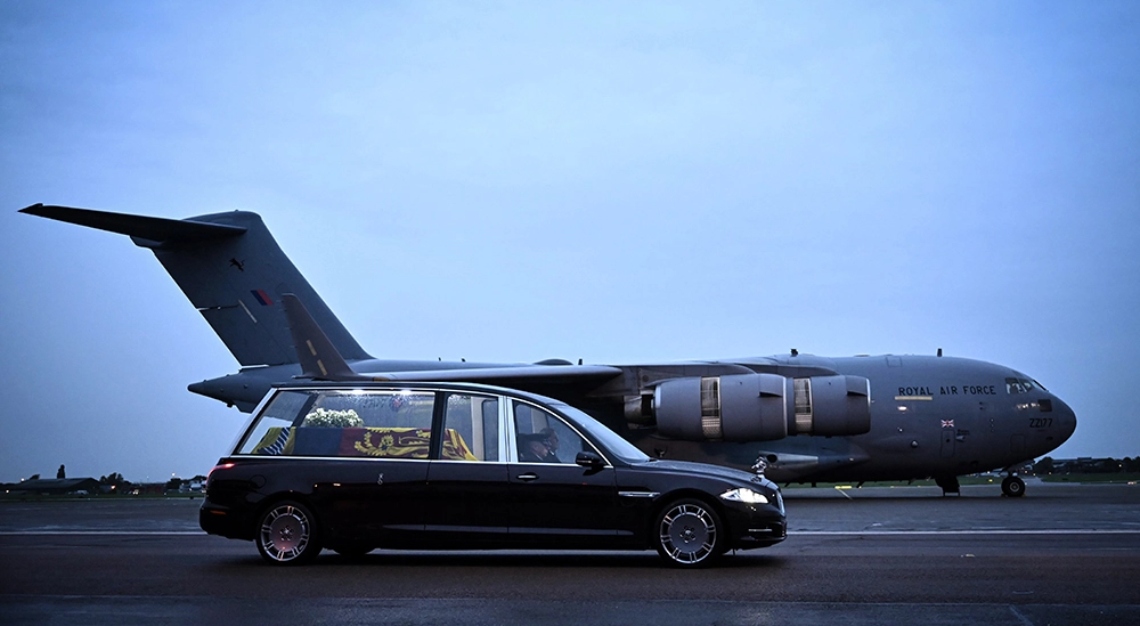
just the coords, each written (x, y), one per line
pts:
(1061, 555)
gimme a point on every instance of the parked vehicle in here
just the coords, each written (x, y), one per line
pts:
(357, 466)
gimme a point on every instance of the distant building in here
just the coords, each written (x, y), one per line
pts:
(1086, 464)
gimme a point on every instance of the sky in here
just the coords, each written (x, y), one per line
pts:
(617, 182)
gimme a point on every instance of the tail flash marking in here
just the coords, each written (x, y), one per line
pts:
(262, 298)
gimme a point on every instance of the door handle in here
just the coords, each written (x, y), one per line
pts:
(527, 477)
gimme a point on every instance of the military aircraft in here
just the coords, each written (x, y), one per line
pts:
(798, 418)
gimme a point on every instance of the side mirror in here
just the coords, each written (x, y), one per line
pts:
(590, 460)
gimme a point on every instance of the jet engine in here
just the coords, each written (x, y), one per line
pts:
(761, 407)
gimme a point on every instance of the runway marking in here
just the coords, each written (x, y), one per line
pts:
(1020, 616)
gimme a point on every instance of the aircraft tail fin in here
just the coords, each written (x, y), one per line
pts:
(233, 272)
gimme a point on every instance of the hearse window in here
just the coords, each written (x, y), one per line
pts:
(471, 428)
(354, 423)
(272, 432)
(542, 437)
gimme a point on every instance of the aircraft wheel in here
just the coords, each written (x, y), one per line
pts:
(1013, 486)
(689, 534)
(949, 484)
(287, 534)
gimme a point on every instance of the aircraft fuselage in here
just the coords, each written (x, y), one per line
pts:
(930, 416)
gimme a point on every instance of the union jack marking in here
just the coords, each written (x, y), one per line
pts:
(948, 423)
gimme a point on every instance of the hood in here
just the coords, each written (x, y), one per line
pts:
(713, 471)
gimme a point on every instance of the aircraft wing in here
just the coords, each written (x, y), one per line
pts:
(510, 375)
(320, 360)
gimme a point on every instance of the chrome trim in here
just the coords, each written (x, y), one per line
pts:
(371, 459)
(506, 432)
(638, 494)
(508, 451)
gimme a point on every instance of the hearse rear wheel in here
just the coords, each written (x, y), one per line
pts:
(287, 534)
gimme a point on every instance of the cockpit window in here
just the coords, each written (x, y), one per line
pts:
(1021, 385)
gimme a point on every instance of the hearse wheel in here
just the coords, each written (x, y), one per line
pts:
(287, 534)
(689, 533)
(1013, 486)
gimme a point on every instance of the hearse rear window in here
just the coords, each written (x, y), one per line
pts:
(338, 423)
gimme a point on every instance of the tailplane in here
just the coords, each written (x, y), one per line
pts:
(233, 272)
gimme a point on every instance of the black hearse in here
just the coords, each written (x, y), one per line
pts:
(357, 466)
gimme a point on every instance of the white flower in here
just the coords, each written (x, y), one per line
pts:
(332, 418)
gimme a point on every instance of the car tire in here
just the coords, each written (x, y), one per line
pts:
(1013, 487)
(688, 533)
(287, 534)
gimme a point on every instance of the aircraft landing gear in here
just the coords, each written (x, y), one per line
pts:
(1013, 486)
(949, 485)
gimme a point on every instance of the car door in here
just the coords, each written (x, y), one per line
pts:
(373, 449)
(467, 500)
(553, 501)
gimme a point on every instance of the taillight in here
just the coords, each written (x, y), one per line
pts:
(220, 466)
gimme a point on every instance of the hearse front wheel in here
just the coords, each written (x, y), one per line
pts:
(689, 534)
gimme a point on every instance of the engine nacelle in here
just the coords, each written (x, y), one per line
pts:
(761, 407)
(832, 405)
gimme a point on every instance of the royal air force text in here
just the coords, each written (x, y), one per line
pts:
(952, 390)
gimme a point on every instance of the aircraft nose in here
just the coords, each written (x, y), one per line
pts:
(1066, 419)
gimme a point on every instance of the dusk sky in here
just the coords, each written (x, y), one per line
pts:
(617, 182)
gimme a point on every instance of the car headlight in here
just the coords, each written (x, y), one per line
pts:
(744, 494)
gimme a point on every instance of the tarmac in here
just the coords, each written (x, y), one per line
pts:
(1063, 554)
